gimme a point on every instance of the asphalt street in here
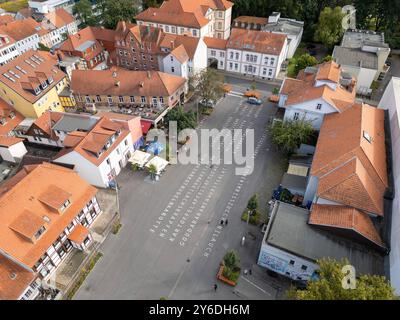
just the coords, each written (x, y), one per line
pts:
(171, 242)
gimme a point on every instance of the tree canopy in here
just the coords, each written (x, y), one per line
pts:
(301, 62)
(288, 135)
(208, 84)
(376, 15)
(329, 29)
(329, 285)
(113, 11)
(83, 10)
(185, 120)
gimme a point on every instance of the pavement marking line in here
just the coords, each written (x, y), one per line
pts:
(252, 283)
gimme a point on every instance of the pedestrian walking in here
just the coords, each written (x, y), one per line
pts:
(249, 272)
(215, 287)
(226, 222)
(222, 222)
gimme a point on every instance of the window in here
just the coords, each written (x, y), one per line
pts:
(121, 99)
(319, 106)
(221, 54)
(132, 99)
(161, 99)
(87, 98)
(126, 142)
(231, 55)
(173, 29)
(194, 32)
(182, 30)
(172, 58)
(272, 61)
(236, 66)
(291, 262)
(110, 100)
(303, 267)
(296, 116)
(108, 161)
(40, 232)
(143, 99)
(213, 53)
(172, 69)
(65, 205)
(237, 55)
(367, 136)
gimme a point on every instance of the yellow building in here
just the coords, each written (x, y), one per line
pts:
(32, 82)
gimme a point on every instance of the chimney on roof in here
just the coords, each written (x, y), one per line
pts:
(141, 84)
(148, 74)
(172, 45)
(117, 83)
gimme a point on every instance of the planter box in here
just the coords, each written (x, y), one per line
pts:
(223, 279)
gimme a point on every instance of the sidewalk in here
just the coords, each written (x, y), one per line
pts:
(276, 82)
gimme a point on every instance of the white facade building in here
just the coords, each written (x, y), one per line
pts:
(47, 6)
(209, 18)
(8, 49)
(12, 149)
(391, 101)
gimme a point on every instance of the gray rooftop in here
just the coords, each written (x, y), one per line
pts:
(86, 45)
(291, 232)
(284, 25)
(358, 38)
(71, 122)
(294, 183)
(355, 57)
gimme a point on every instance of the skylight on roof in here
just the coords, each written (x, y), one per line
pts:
(367, 136)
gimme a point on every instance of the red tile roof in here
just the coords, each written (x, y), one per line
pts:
(7, 141)
(345, 218)
(351, 169)
(251, 19)
(23, 196)
(60, 18)
(256, 41)
(215, 43)
(79, 234)
(13, 279)
(21, 29)
(11, 116)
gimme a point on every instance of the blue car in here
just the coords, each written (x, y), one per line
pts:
(254, 100)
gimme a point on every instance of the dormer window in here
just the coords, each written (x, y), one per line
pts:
(37, 90)
(3, 121)
(12, 115)
(319, 106)
(50, 80)
(44, 85)
(40, 232)
(65, 205)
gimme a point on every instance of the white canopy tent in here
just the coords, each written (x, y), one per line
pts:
(140, 158)
(158, 162)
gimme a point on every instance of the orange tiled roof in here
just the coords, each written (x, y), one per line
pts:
(21, 29)
(215, 43)
(23, 196)
(186, 13)
(257, 41)
(190, 43)
(7, 141)
(95, 140)
(79, 234)
(344, 159)
(59, 17)
(303, 88)
(345, 218)
(6, 18)
(251, 19)
(35, 72)
(11, 116)
(13, 279)
(118, 81)
(180, 54)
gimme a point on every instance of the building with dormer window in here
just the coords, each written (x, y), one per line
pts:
(202, 18)
(31, 83)
(45, 211)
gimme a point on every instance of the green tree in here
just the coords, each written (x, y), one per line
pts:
(329, 285)
(152, 170)
(151, 3)
(208, 84)
(231, 259)
(252, 204)
(184, 119)
(42, 47)
(329, 29)
(84, 12)
(288, 135)
(299, 63)
(113, 11)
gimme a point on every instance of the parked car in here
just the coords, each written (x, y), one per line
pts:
(207, 103)
(254, 100)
